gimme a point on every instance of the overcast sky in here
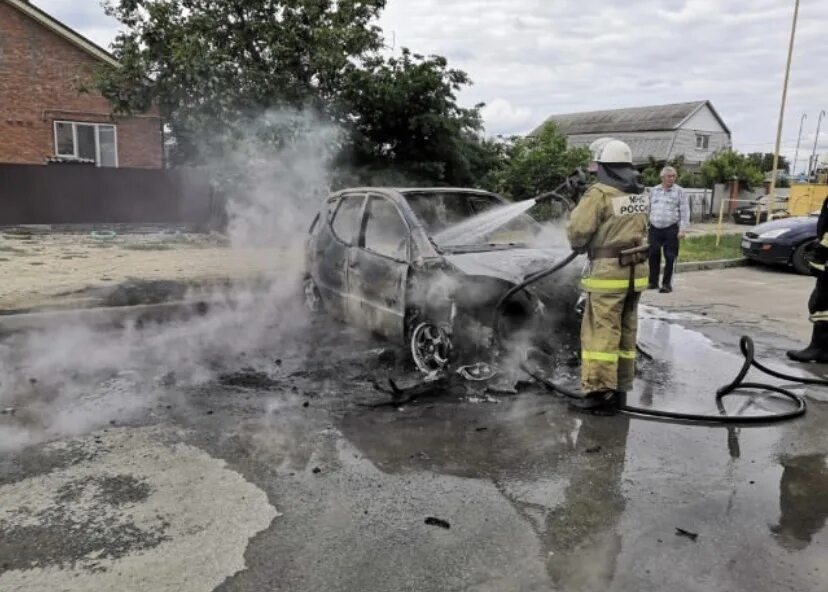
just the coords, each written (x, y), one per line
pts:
(531, 58)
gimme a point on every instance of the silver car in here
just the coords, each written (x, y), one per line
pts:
(425, 268)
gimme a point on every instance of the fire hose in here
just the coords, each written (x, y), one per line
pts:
(745, 344)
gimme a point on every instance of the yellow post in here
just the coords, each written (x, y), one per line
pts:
(772, 191)
(721, 219)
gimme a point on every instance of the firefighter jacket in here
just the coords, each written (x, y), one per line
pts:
(605, 222)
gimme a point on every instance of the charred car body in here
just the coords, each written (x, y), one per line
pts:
(425, 267)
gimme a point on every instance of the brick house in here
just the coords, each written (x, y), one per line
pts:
(43, 114)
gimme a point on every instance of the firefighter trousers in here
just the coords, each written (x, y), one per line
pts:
(608, 339)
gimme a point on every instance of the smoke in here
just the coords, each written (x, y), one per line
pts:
(273, 193)
(73, 378)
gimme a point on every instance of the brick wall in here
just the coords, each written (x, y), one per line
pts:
(40, 79)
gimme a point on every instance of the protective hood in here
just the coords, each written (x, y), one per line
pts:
(622, 176)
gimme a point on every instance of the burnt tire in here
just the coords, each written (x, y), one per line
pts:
(802, 256)
(430, 347)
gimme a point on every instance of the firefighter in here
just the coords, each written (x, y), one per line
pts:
(609, 224)
(817, 351)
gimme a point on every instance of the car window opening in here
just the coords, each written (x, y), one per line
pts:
(346, 219)
(385, 232)
(464, 219)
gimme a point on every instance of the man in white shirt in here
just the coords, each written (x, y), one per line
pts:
(669, 221)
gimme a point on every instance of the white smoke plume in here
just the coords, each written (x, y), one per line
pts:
(72, 378)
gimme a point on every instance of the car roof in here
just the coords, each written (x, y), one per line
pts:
(404, 190)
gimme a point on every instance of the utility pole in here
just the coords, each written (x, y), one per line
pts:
(772, 190)
(814, 156)
(798, 139)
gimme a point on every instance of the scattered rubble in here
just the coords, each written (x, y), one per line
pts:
(431, 521)
(249, 378)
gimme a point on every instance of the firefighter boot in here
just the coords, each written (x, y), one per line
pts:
(595, 400)
(817, 351)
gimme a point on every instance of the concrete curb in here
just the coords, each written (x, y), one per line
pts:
(706, 265)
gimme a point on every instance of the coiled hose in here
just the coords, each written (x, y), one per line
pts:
(745, 344)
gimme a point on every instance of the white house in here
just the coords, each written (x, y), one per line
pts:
(693, 130)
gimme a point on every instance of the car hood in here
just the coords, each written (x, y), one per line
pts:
(796, 222)
(511, 265)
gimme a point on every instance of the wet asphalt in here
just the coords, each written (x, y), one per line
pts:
(317, 489)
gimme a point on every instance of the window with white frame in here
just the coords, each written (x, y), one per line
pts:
(91, 141)
(702, 141)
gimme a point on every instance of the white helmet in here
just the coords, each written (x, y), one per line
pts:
(613, 152)
(597, 145)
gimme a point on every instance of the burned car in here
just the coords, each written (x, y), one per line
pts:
(426, 267)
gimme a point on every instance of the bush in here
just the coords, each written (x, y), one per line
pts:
(726, 164)
(536, 164)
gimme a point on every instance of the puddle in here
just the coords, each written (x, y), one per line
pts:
(653, 313)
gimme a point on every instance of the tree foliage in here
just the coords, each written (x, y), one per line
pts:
(209, 65)
(405, 119)
(764, 162)
(214, 68)
(535, 164)
(651, 174)
(726, 164)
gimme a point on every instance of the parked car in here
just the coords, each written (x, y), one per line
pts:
(789, 241)
(419, 266)
(747, 214)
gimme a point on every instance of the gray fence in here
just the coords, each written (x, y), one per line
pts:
(701, 204)
(82, 194)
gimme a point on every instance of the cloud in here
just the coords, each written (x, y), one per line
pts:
(557, 56)
(502, 117)
(532, 58)
(87, 18)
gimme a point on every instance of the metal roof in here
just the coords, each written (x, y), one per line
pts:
(633, 119)
(642, 146)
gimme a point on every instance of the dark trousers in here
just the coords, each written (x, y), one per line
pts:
(667, 239)
(818, 302)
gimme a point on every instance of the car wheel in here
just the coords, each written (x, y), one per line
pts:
(802, 256)
(311, 296)
(430, 347)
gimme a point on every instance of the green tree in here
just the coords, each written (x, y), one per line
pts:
(651, 174)
(536, 164)
(764, 162)
(726, 164)
(210, 65)
(406, 121)
(221, 71)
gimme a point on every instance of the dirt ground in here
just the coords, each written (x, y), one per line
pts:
(50, 269)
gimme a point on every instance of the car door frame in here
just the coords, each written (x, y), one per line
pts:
(377, 283)
(337, 296)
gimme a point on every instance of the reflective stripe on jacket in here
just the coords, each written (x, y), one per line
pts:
(608, 217)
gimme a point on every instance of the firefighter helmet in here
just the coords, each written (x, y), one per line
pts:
(614, 152)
